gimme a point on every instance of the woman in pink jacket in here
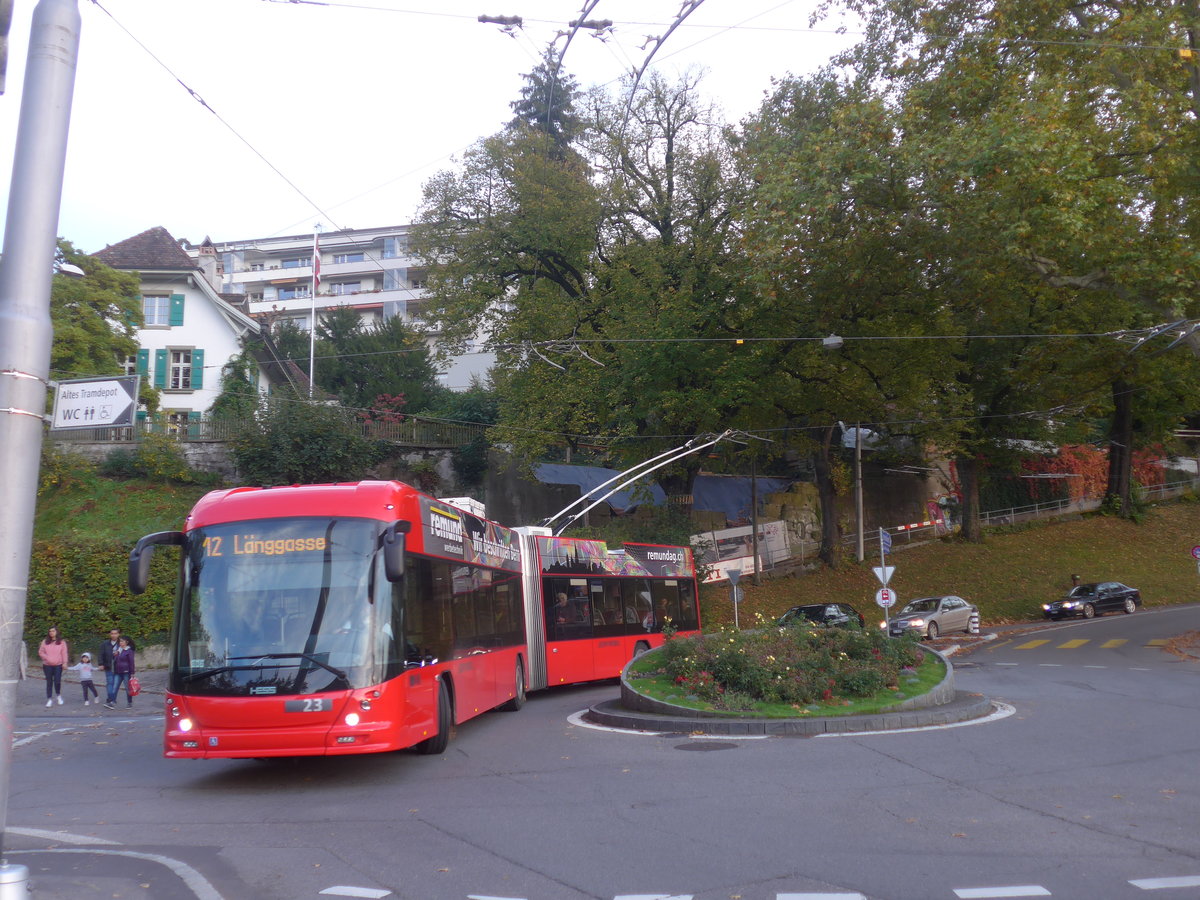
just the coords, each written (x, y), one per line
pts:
(53, 653)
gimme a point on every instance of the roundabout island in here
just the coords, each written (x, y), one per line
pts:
(941, 706)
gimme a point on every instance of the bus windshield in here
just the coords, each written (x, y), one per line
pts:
(280, 606)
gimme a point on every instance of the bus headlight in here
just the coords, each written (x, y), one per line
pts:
(352, 719)
(185, 725)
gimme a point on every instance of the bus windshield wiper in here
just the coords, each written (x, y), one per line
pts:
(307, 657)
(220, 670)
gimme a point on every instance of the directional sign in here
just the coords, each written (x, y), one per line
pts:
(885, 597)
(95, 402)
(884, 573)
(885, 542)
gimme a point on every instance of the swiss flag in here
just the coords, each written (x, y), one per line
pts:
(316, 262)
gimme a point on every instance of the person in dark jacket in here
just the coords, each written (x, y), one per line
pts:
(108, 650)
(123, 668)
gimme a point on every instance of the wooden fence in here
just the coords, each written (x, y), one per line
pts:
(409, 433)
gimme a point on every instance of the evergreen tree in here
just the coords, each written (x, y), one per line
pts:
(547, 103)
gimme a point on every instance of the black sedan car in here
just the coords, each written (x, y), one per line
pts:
(838, 614)
(1089, 600)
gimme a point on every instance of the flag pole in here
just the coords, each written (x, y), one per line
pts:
(312, 317)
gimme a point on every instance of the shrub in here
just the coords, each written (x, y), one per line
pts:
(799, 664)
(157, 458)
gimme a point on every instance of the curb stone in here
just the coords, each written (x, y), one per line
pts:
(944, 705)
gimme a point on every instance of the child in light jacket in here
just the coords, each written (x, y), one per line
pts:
(84, 668)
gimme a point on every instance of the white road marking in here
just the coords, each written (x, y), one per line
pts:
(577, 719)
(342, 890)
(653, 897)
(1158, 884)
(1019, 890)
(62, 836)
(855, 896)
(196, 882)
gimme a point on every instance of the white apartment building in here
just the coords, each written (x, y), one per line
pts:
(368, 269)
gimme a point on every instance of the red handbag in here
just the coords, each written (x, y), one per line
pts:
(135, 686)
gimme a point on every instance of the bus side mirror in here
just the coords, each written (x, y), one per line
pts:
(140, 555)
(392, 542)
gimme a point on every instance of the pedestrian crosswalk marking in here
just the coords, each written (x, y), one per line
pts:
(1115, 642)
(1071, 645)
(1157, 884)
(1029, 645)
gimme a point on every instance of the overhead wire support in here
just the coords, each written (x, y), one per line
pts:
(631, 475)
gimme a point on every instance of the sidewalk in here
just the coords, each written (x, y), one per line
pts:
(31, 696)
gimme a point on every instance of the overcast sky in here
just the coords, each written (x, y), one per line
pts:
(357, 103)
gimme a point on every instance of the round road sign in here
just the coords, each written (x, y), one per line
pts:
(885, 597)
(1196, 552)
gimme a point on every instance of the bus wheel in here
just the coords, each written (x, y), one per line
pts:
(437, 743)
(639, 648)
(518, 697)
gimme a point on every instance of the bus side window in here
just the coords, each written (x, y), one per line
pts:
(427, 608)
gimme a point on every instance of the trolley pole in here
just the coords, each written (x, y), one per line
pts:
(26, 271)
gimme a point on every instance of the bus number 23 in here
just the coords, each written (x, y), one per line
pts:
(308, 704)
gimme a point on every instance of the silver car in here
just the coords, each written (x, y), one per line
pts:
(932, 616)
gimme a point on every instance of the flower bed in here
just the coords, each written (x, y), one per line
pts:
(795, 670)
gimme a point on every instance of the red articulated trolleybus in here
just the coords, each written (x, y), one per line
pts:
(367, 617)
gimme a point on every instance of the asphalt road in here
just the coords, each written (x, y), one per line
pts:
(1086, 790)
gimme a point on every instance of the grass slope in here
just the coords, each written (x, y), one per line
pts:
(1008, 576)
(87, 506)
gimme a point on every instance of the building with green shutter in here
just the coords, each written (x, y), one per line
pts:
(190, 331)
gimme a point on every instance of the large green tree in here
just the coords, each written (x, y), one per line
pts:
(358, 361)
(837, 243)
(1055, 149)
(606, 278)
(95, 318)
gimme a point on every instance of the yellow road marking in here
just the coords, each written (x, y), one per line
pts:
(1115, 642)
(1071, 645)
(1157, 642)
(1029, 645)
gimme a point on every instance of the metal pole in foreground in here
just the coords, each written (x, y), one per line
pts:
(26, 270)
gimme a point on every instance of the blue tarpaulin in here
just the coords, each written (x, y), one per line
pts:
(729, 494)
(589, 477)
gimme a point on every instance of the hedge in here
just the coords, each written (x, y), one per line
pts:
(81, 587)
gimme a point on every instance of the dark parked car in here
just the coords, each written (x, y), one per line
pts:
(1090, 600)
(842, 614)
(932, 616)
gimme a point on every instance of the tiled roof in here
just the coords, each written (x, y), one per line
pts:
(152, 249)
